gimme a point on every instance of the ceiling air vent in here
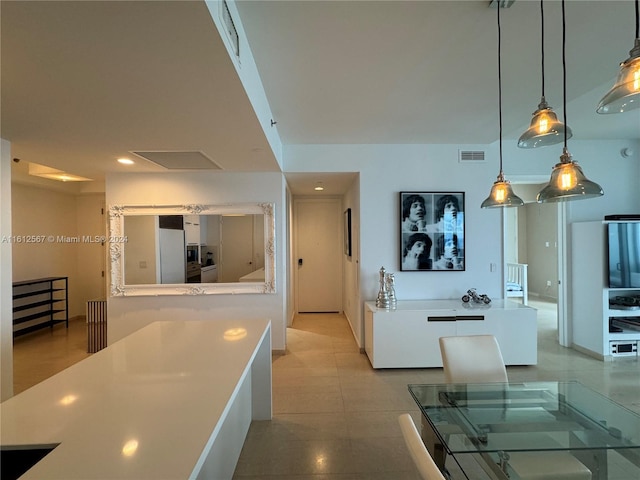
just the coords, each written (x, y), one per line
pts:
(183, 160)
(467, 156)
(230, 28)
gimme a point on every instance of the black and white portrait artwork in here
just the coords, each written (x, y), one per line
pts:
(431, 231)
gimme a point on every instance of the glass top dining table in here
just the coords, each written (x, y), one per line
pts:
(494, 421)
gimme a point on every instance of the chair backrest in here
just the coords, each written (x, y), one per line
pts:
(421, 456)
(472, 359)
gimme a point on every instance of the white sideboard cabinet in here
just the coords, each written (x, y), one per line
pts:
(407, 336)
(594, 322)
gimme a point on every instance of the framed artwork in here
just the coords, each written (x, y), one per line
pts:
(432, 231)
(347, 232)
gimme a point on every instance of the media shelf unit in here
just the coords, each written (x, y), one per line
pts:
(591, 296)
(40, 303)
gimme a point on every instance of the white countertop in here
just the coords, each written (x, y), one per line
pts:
(164, 388)
(449, 304)
(256, 276)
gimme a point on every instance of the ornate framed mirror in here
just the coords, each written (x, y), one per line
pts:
(192, 249)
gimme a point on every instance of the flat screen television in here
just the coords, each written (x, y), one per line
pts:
(624, 254)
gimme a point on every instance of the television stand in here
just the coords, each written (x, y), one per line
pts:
(604, 326)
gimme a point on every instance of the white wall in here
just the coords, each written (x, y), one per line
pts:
(41, 212)
(351, 293)
(542, 247)
(511, 235)
(601, 162)
(37, 211)
(247, 72)
(141, 232)
(6, 300)
(92, 271)
(290, 293)
(386, 170)
(127, 314)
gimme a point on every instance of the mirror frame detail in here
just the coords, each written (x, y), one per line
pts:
(116, 250)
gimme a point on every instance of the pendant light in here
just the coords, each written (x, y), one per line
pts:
(545, 128)
(567, 180)
(501, 194)
(625, 94)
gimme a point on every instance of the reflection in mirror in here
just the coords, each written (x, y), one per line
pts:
(162, 249)
(192, 249)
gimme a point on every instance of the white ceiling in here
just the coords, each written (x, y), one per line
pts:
(86, 82)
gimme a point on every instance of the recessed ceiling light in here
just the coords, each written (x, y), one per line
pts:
(125, 161)
(319, 187)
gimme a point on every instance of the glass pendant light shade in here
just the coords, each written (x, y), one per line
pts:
(625, 94)
(502, 195)
(545, 128)
(568, 182)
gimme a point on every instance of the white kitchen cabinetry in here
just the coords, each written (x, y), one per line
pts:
(407, 337)
(209, 274)
(590, 295)
(192, 229)
(203, 230)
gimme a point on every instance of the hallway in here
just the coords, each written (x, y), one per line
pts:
(335, 418)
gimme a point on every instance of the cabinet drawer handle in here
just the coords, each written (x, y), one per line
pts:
(453, 318)
(441, 319)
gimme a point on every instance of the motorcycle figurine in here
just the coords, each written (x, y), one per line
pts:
(476, 297)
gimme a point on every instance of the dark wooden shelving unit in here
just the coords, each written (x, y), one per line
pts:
(40, 303)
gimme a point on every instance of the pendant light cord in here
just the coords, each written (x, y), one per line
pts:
(499, 85)
(564, 77)
(542, 42)
(637, 19)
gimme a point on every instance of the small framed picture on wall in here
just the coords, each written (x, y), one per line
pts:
(432, 231)
(347, 232)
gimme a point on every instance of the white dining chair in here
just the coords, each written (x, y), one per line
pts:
(478, 359)
(472, 359)
(421, 457)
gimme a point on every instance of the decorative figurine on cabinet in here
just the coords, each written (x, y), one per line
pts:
(476, 297)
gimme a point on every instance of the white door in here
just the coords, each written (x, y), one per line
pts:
(318, 233)
(236, 254)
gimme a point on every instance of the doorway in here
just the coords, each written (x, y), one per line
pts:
(535, 234)
(318, 254)
(241, 244)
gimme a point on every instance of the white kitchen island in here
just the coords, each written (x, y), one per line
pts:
(173, 400)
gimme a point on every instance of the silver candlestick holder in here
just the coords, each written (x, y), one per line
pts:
(390, 280)
(383, 301)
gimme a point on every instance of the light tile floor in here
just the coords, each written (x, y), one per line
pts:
(335, 418)
(43, 353)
